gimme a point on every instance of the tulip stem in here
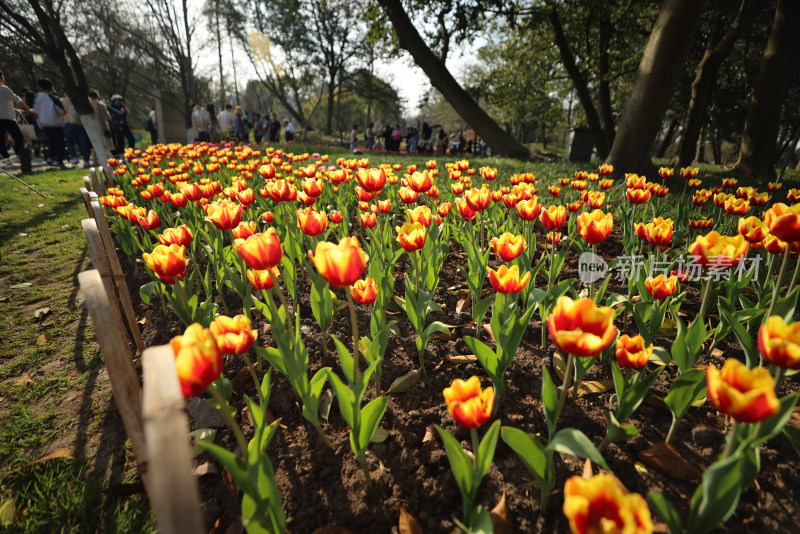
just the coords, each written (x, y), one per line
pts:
(779, 377)
(184, 302)
(277, 289)
(794, 277)
(730, 442)
(770, 268)
(779, 281)
(253, 374)
(356, 354)
(246, 290)
(473, 433)
(229, 420)
(562, 397)
(673, 428)
(704, 302)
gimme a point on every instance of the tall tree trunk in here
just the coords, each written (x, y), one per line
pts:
(219, 51)
(717, 49)
(578, 82)
(663, 59)
(498, 140)
(604, 85)
(759, 139)
(329, 120)
(668, 137)
(700, 152)
(233, 65)
(544, 136)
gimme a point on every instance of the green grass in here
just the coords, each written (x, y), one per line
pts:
(41, 243)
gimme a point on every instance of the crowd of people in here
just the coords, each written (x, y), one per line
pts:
(49, 125)
(234, 124)
(412, 140)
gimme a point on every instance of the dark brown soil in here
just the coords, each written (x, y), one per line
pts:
(410, 470)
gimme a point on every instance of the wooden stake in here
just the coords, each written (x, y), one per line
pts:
(122, 291)
(173, 494)
(87, 201)
(117, 356)
(97, 184)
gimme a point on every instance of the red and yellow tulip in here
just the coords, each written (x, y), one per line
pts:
(580, 327)
(747, 395)
(468, 404)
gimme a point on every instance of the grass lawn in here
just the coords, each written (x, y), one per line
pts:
(54, 390)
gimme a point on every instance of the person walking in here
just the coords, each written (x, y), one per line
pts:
(152, 126)
(227, 122)
(50, 113)
(240, 126)
(258, 128)
(274, 129)
(369, 136)
(288, 128)
(201, 123)
(76, 134)
(8, 119)
(119, 124)
(354, 137)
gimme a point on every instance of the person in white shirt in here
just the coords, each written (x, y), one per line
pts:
(201, 122)
(8, 118)
(76, 134)
(227, 120)
(50, 113)
(288, 129)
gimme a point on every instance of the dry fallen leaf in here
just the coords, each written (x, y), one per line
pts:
(44, 339)
(794, 422)
(243, 379)
(501, 520)
(22, 285)
(559, 365)
(408, 524)
(227, 479)
(460, 305)
(40, 313)
(429, 439)
(589, 387)
(380, 436)
(488, 329)
(587, 469)
(405, 382)
(664, 458)
(8, 512)
(23, 380)
(206, 468)
(58, 453)
(462, 358)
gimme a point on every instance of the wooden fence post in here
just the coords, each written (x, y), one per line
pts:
(122, 291)
(117, 356)
(174, 495)
(87, 200)
(97, 254)
(97, 184)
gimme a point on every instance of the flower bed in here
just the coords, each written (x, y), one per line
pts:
(430, 254)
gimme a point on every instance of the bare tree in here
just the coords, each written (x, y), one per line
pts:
(41, 25)
(176, 28)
